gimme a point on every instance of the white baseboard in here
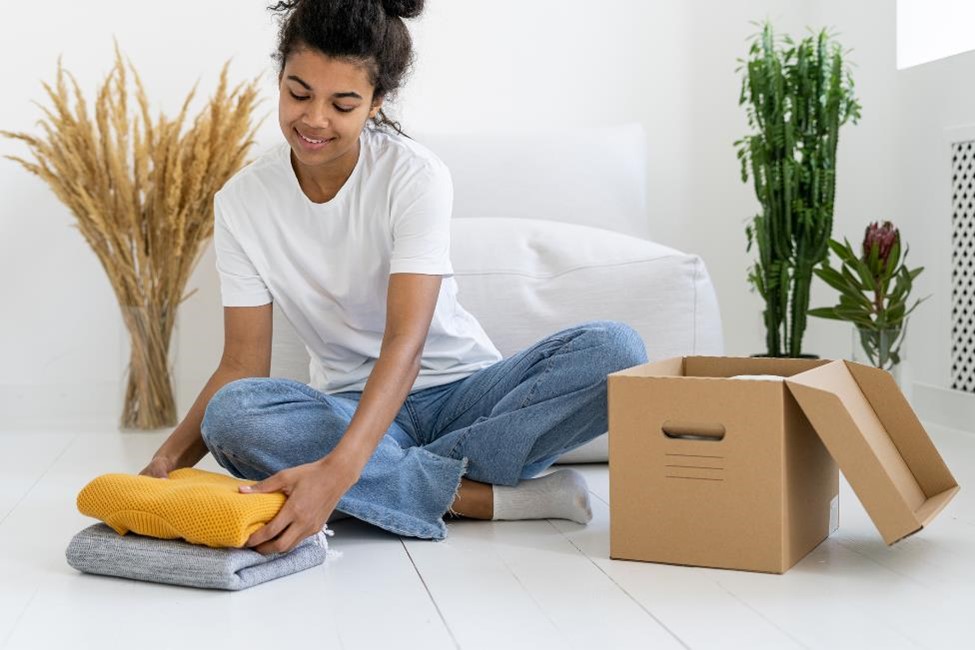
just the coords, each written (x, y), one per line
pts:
(950, 408)
(90, 406)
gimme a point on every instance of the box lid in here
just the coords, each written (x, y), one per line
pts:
(872, 432)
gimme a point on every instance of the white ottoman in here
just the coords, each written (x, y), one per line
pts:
(526, 278)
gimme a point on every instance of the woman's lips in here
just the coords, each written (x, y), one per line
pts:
(312, 143)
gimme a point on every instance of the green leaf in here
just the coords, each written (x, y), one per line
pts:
(847, 301)
(904, 282)
(838, 282)
(845, 253)
(892, 261)
(894, 305)
(825, 312)
(865, 275)
(854, 316)
(852, 279)
(900, 290)
(873, 259)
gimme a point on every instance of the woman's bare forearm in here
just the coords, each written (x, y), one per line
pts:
(185, 446)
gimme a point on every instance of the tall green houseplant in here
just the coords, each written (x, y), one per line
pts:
(797, 95)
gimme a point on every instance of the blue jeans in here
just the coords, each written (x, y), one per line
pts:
(503, 423)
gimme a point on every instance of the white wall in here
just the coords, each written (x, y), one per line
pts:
(63, 345)
(866, 189)
(929, 30)
(481, 66)
(896, 164)
(934, 99)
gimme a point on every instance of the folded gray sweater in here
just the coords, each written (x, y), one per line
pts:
(99, 549)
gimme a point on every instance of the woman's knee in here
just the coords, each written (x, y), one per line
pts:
(257, 412)
(624, 346)
(227, 410)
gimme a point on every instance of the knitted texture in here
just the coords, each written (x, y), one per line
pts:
(198, 506)
(99, 550)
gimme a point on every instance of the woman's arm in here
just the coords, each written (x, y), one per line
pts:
(246, 353)
(410, 303)
(315, 488)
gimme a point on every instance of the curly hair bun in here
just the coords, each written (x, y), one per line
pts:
(403, 8)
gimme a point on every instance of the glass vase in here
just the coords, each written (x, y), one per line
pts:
(882, 348)
(147, 388)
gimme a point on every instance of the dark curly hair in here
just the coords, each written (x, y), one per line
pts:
(370, 33)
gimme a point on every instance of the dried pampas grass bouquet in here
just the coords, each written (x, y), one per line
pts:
(142, 194)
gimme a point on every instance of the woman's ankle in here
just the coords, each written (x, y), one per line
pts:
(474, 500)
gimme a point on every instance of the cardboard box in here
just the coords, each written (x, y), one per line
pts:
(706, 470)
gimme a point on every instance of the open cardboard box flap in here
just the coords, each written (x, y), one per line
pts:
(875, 437)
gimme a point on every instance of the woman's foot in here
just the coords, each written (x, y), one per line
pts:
(563, 494)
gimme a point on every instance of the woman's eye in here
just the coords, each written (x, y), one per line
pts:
(301, 98)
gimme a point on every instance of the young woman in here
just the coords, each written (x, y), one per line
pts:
(411, 412)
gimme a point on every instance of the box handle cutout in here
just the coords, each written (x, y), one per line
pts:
(706, 431)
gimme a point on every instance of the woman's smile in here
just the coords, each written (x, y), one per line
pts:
(312, 144)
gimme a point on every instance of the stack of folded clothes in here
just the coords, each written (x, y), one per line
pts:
(188, 529)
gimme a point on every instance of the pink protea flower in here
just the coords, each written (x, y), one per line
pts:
(885, 236)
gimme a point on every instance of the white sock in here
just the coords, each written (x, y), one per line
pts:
(563, 494)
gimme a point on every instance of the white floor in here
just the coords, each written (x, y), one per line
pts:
(533, 584)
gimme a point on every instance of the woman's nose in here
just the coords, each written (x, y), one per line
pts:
(317, 116)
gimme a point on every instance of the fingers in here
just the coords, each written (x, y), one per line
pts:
(153, 472)
(270, 530)
(268, 539)
(276, 535)
(297, 518)
(279, 535)
(158, 467)
(272, 483)
(286, 541)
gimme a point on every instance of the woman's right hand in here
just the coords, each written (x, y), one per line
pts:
(158, 467)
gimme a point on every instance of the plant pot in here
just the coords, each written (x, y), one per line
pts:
(148, 400)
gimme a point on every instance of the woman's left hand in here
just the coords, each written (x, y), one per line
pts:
(312, 492)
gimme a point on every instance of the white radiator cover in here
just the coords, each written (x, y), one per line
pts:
(963, 266)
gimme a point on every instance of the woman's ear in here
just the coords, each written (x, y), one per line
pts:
(376, 107)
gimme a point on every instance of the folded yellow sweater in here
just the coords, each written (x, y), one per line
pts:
(193, 504)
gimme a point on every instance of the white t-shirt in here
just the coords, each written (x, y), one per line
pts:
(327, 265)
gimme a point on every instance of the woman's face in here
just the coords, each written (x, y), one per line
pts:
(323, 105)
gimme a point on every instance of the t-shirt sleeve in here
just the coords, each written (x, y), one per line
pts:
(240, 283)
(421, 224)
